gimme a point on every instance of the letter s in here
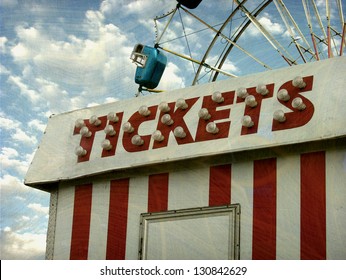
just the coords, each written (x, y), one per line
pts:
(295, 118)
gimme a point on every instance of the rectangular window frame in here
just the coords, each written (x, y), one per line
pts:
(232, 211)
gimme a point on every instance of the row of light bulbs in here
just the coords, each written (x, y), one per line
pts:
(203, 113)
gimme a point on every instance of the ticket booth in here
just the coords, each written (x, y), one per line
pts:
(246, 168)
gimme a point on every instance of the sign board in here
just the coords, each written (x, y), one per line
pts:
(264, 110)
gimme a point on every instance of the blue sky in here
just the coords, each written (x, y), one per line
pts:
(61, 55)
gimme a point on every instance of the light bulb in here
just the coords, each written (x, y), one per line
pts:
(106, 145)
(217, 97)
(179, 132)
(84, 131)
(94, 120)
(298, 82)
(79, 123)
(157, 136)
(283, 95)
(166, 119)
(163, 107)
(127, 127)
(212, 128)
(80, 151)
(204, 114)
(144, 111)
(181, 103)
(109, 130)
(262, 89)
(298, 103)
(112, 117)
(137, 140)
(279, 115)
(250, 100)
(247, 121)
(241, 92)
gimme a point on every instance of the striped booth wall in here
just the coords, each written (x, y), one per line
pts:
(292, 207)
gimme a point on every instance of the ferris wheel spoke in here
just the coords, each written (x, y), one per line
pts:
(171, 13)
(196, 61)
(239, 33)
(318, 17)
(288, 20)
(273, 42)
(330, 53)
(312, 34)
(343, 40)
(227, 39)
(341, 15)
(216, 37)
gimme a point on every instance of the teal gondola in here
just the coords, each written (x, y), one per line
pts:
(151, 64)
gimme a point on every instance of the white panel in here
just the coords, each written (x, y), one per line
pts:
(99, 220)
(188, 189)
(336, 198)
(242, 193)
(198, 238)
(288, 208)
(64, 218)
(326, 123)
(138, 203)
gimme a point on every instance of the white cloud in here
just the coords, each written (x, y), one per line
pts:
(38, 125)
(57, 70)
(37, 207)
(30, 94)
(8, 152)
(20, 52)
(321, 3)
(7, 123)
(11, 160)
(272, 27)
(171, 78)
(230, 67)
(11, 184)
(25, 218)
(21, 136)
(4, 70)
(134, 6)
(9, 3)
(3, 41)
(111, 99)
(16, 132)
(21, 246)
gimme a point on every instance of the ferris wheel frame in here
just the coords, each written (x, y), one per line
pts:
(306, 52)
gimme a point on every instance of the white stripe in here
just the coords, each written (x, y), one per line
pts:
(64, 218)
(335, 204)
(188, 189)
(99, 220)
(138, 203)
(242, 192)
(288, 208)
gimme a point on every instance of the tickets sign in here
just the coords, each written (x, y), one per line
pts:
(293, 105)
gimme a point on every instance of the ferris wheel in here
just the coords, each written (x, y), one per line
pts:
(253, 36)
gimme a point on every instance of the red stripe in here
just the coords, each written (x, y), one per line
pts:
(81, 222)
(313, 206)
(117, 220)
(158, 192)
(264, 210)
(220, 185)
